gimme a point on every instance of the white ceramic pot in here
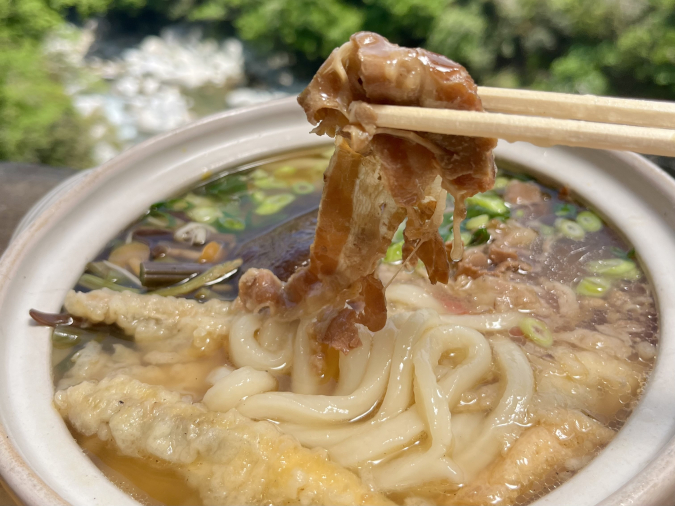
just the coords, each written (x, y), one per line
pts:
(40, 460)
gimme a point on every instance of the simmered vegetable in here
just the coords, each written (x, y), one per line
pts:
(594, 286)
(536, 331)
(589, 221)
(614, 268)
(570, 229)
(214, 274)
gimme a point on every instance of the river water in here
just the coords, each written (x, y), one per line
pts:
(131, 89)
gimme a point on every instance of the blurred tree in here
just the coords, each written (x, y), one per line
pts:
(615, 47)
(37, 120)
(604, 46)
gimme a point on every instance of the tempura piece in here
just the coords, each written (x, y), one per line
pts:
(172, 321)
(228, 458)
(377, 178)
(562, 442)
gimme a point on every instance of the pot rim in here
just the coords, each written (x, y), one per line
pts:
(651, 485)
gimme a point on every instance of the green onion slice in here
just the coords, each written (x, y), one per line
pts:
(589, 221)
(232, 224)
(258, 196)
(594, 286)
(614, 268)
(394, 253)
(274, 203)
(546, 230)
(477, 222)
(501, 183)
(285, 171)
(487, 203)
(480, 236)
(302, 188)
(536, 331)
(570, 229)
(204, 214)
(566, 210)
(269, 183)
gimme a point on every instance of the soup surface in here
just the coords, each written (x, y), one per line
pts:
(494, 388)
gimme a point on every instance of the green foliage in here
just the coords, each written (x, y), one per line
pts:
(600, 46)
(614, 47)
(37, 121)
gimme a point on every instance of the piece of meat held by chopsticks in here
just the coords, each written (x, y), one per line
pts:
(377, 177)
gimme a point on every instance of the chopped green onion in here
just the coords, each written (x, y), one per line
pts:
(466, 237)
(614, 268)
(227, 186)
(259, 174)
(66, 336)
(566, 210)
(594, 286)
(180, 205)
(477, 222)
(285, 171)
(198, 200)
(274, 204)
(519, 213)
(161, 219)
(269, 183)
(398, 236)
(171, 205)
(501, 183)
(486, 203)
(214, 274)
(231, 223)
(570, 229)
(303, 188)
(258, 196)
(204, 214)
(480, 236)
(536, 331)
(394, 253)
(94, 283)
(589, 221)
(546, 230)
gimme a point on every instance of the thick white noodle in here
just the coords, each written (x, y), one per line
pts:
(413, 296)
(353, 365)
(358, 448)
(473, 367)
(508, 418)
(275, 335)
(397, 367)
(305, 378)
(245, 350)
(301, 408)
(398, 396)
(431, 403)
(465, 428)
(230, 389)
(484, 322)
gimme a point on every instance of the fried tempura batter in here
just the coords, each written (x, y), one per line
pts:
(229, 458)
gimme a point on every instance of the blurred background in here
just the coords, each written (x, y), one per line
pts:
(82, 80)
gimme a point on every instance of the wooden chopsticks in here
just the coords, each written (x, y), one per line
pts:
(546, 119)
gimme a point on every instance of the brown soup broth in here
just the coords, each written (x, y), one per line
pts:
(254, 213)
